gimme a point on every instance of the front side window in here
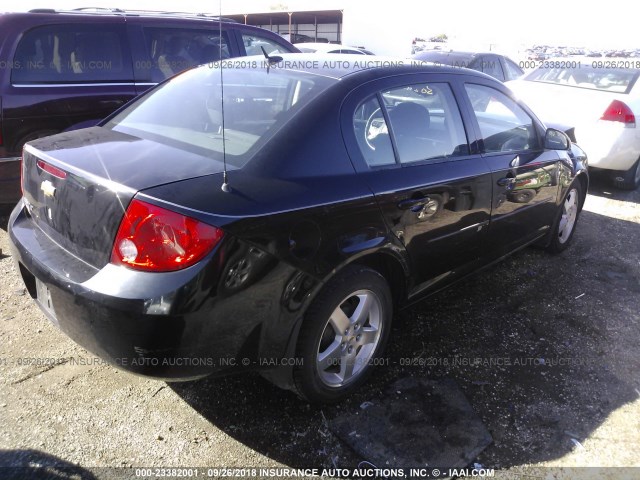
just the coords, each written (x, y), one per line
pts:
(188, 112)
(72, 54)
(504, 125)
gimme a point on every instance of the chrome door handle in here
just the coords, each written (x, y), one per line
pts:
(413, 204)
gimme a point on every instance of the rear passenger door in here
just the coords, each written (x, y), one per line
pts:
(163, 50)
(524, 175)
(408, 141)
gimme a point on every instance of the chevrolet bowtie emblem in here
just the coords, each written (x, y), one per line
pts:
(48, 189)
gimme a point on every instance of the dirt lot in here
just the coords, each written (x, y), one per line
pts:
(545, 348)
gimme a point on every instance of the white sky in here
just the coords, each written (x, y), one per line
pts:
(568, 22)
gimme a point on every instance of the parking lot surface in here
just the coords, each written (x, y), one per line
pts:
(544, 347)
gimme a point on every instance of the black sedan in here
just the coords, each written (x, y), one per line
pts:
(274, 215)
(498, 66)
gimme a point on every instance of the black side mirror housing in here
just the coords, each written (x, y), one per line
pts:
(556, 140)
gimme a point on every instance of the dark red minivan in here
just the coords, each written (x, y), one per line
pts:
(63, 70)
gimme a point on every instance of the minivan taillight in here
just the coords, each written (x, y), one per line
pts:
(154, 239)
(619, 112)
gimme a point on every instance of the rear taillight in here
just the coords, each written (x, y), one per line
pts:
(154, 239)
(619, 112)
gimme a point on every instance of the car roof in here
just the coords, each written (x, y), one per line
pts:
(99, 11)
(341, 65)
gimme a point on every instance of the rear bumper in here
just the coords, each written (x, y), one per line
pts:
(171, 325)
(610, 145)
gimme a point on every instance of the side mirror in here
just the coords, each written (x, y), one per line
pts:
(556, 140)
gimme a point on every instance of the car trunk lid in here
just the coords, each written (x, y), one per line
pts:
(77, 185)
(571, 105)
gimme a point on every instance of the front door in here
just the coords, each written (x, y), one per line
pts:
(524, 174)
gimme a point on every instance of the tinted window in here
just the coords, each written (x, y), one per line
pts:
(187, 112)
(173, 50)
(72, 53)
(253, 44)
(372, 134)
(425, 122)
(504, 125)
(491, 66)
(513, 70)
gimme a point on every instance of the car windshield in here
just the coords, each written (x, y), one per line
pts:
(187, 111)
(609, 79)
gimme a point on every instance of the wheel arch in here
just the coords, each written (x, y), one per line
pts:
(392, 267)
(583, 178)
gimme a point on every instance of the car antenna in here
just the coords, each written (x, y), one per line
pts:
(270, 60)
(225, 184)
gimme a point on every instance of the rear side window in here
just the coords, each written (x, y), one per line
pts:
(504, 125)
(422, 121)
(72, 54)
(425, 122)
(253, 45)
(172, 50)
(372, 134)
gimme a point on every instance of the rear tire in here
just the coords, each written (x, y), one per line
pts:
(628, 180)
(343, 335)
(567, 220)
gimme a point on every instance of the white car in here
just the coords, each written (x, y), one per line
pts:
(600, 98)
(330, 48)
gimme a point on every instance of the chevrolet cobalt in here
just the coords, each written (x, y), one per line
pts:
(273, 214)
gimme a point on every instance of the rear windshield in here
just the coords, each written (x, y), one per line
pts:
(187, 111)
(616, 80)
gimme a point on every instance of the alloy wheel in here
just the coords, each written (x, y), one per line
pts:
(349, 339)
(569, 216)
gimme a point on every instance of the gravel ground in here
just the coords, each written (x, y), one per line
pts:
(545, 348)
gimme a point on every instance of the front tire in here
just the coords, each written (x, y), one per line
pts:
(568, 219)
(628, 180)
(343, 335)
